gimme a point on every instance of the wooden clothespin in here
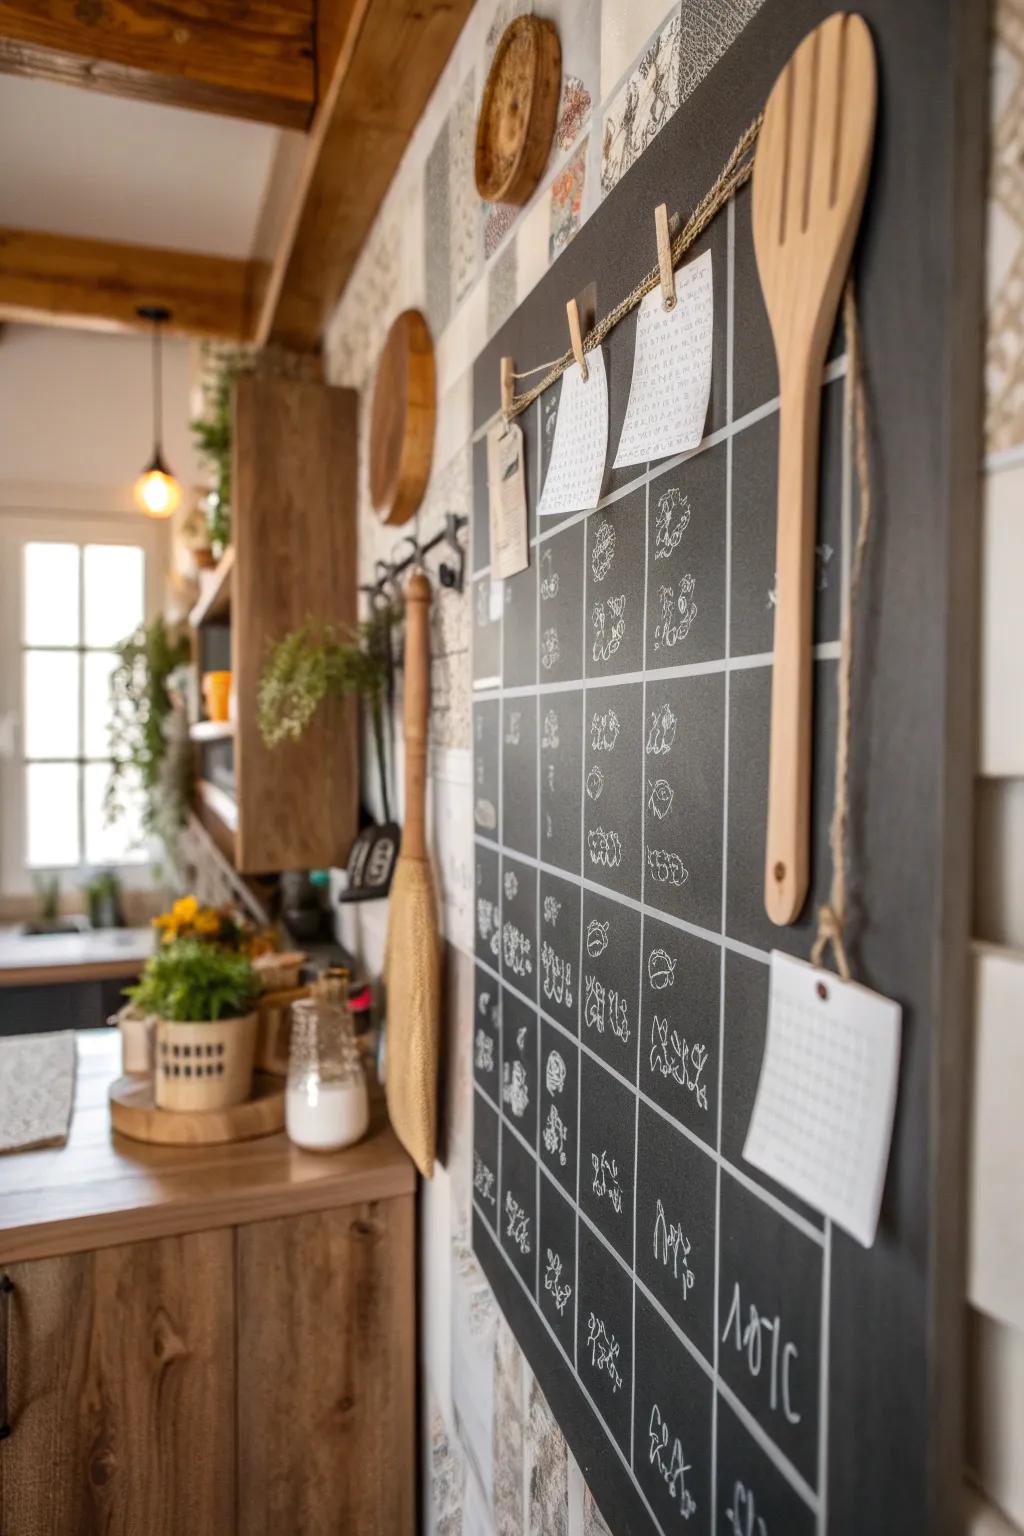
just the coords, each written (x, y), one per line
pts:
(576, 338)
(508, 387)
(668, 282)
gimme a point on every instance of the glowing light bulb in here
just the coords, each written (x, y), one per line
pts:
(157, 493)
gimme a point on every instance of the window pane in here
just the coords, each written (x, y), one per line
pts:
(52, 798)
(98, 667)
(114, 596)
(51, 703)
(111, 844)
(51, 594)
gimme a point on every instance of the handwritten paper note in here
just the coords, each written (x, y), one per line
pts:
(671, 384)
(822, 1119)
(506, 485)
(573, 481)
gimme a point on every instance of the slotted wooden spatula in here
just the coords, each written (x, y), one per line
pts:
(810, 176)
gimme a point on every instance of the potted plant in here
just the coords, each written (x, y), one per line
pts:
(203, 998)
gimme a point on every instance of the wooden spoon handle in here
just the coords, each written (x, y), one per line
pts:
(787, 858)
(416, 712)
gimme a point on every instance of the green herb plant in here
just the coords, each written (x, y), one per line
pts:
(313, 663)
(211, 434)
(190, 981)
(144, 752)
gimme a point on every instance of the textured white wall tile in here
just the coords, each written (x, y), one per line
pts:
(532, 245)
(625, 30)
(999, 861)
(995, 1276)
(995, 1425)
(1002, 625)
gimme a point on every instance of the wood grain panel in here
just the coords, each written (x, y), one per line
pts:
(326, 1388)
(295, 561)
(121, 1392)
(99, 284)
(242, 60)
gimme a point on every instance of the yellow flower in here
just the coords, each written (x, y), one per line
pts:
(184, 910)
(207, 921)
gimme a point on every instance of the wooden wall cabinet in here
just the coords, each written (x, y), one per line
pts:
(244, 1379)
(292, 561)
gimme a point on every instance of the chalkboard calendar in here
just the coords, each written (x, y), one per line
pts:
(685, 1316)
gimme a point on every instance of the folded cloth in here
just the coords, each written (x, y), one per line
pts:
(37, 1090)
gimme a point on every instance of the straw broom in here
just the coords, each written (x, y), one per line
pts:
(413, 962)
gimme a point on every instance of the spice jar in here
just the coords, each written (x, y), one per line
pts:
(326, 1104)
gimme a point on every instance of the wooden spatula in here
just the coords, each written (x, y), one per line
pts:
(810, 176)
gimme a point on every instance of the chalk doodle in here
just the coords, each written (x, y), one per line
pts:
(670, 1462)
(603, 552)
(553, 1282)
(606, 1180)
(487, 923)
(549, 652)
(676, 1058)
(742, 1516)
(662, 731)
(551, 780)
(605, 1005)
(667, 868)
(483, 1054)
(549, 577)
(661, 969)
(595, 782)
(597, 937)
(669, 1239)
(670, 521)
(483, 1179)
(521, 1037)
(517, 1225)
(659, 799)
(515, 1089)
(609, 628)
(604, 731)
(552, 907)
(604, 847)
(549, 731)
(513, 728)
(485, 815)
(554, 1072)
(555, 1134)
(511, 884)
(517, 950)
(678, 611)
(557, 976)
(604, 1350)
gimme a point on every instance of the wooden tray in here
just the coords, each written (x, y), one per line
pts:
(133, 1112)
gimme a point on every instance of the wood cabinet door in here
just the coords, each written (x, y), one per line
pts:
(120, 1386)
(326, 1373)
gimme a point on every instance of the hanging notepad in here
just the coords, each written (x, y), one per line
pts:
(822, 1119)
(576, 470)
(671, 384)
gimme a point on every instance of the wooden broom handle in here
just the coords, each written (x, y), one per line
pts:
(787, 844)
(416, 713)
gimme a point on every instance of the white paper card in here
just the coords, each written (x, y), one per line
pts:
(576, 470)
(506, 485)
(671, 383)
(822, 1119)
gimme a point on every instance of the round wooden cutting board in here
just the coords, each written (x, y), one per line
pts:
(133, 1112)
(518, 112)
(402, 419)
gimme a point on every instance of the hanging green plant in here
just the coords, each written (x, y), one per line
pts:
(211, 434)
(146, 753)
(313, 663)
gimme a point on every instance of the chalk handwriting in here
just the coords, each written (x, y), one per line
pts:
(748, 1338)
(483, 1054)
(517, 950)
(515, 1089)
(669, 1239)
(549, 731)
(662, 731)
(742, 1516)
(549, 577)
(555, 1134)
(511, 885)
(606, 1180)
(549, 652)
(609, 628)
(557, 975)
(669, 1461)
(671, 521)
(604, 1350)
(605, 1005)
(517, 1224)
(552, 907)
(604, 730)
(483, 1179)
(678, 611)
(676, 1058)
(603, 551)
(553, 1282)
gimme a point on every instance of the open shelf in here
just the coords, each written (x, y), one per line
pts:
(212, 730)
(220, 803)
(214, 591)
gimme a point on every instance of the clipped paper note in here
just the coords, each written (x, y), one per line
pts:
(576, 470)
(506, 483)
(671, 383)
(822, 1119)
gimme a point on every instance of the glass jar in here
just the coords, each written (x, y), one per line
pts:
(326, 1103)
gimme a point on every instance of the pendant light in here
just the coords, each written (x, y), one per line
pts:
(157, 493)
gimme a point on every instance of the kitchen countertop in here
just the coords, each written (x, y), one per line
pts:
(98, 954)
(102, 1189)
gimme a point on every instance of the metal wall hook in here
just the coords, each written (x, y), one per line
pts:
(453, 576)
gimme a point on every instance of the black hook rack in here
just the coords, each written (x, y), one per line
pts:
(451, 574)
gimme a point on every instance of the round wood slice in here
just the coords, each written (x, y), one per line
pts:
(519, 111)
(402, 419)
(134, 1113)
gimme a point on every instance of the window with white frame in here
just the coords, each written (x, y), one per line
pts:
(79, 600)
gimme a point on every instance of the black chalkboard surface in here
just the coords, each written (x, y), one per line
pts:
(719, 1358)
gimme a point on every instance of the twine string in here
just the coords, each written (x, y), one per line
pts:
(832, 914)
(733, 175)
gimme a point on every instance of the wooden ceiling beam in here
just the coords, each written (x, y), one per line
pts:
(252, 60)
(96, 284)
(390, 54)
